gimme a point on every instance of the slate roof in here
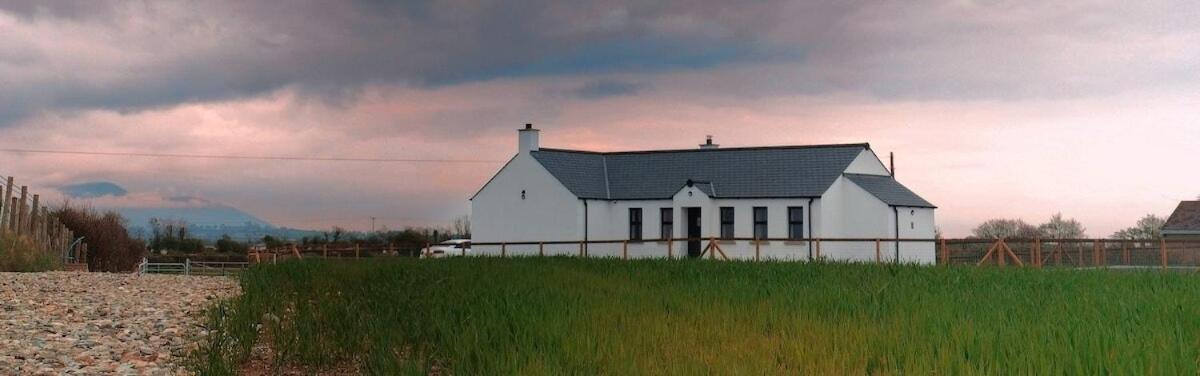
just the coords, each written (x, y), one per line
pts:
(1185, 219)
(758, 172)
(889, 190)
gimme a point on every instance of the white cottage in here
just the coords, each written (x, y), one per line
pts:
(787, 194)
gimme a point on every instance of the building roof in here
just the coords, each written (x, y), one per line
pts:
(1185, 219)
(889, 190)
(758, 172)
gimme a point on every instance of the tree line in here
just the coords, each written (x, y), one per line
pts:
(1148, 227)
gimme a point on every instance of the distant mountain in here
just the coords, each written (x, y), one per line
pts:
(210, 223)
(210, 215)
(93, 190)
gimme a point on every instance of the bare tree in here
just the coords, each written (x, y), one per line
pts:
(461, 226)
(1147, 228)
(1004, 228)
(1059, 228)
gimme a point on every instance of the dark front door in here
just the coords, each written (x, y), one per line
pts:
(693, 231)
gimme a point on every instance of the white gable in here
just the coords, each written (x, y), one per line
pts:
(867, 163)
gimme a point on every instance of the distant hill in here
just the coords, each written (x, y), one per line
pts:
(210, 223)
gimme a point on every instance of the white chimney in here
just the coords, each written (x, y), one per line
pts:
(708, 144)
(527, 139)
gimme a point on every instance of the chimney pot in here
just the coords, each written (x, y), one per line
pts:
(708, 144)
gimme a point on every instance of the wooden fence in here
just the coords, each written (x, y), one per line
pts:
(23, 214)
(1079, 253)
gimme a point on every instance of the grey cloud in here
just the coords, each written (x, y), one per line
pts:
(607, 88)
(179, 52)
(166, 53)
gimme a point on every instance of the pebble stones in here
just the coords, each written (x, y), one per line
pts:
(74, 323)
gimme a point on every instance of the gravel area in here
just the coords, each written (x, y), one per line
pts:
(99, 324)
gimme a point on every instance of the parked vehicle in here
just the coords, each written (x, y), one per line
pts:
(452, 247)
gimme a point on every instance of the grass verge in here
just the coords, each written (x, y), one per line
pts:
(19, 254)
(571, 316)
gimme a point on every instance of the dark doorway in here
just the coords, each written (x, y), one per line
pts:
(693, 231)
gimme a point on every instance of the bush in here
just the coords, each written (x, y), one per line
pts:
(228, 245)
(19, 254)
(110, 248)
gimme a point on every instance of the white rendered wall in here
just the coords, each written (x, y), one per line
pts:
(549, 212)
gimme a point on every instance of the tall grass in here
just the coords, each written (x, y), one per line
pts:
(571, 316)
(19, 254)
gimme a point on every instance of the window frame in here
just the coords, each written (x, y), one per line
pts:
(792, 222)
(727, 229)
(666, 223)
(765, 222)
(635, 223)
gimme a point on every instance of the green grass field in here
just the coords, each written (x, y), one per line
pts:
(487, 316)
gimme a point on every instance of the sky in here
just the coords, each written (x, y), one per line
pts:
(1015, 109)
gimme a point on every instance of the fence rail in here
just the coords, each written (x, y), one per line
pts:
(189, 267)
(1080, 253)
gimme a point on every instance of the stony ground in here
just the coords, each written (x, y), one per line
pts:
(97, 323)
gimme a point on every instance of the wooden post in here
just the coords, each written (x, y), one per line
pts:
(1163, 252)
(356, 250)
(1125, 252)
(625, 250)
(580, 248)
(670, 249)
(756, 251)
(31, 224)
(879, 258)
(541, 249)
(1037, 251)
(6, 221)
(712, 252)
(428, 252)
(503, 250)
(818, 241)
(23, 211)
(324, 250)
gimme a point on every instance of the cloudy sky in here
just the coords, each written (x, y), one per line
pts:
(994, 108)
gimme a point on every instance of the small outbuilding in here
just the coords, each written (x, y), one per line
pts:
(1184, 222)
(787, 194)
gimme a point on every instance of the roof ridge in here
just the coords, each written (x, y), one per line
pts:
(775, 147)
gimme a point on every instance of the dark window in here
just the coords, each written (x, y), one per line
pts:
(668, 223)
(760, 222)
(796, 223)
(635, 223)
(727, 223)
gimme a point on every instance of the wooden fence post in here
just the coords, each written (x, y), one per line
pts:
(878, 256)
(1163, 252)
(818, 241)
(1125, 252)
(541, 249)
(581, 248)
(324, 251)
(670, 249)
(756, 251)
(6, 222)
(503, 250)
(356, 251)
(625, 250)
(31, 225)
(23, 211)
